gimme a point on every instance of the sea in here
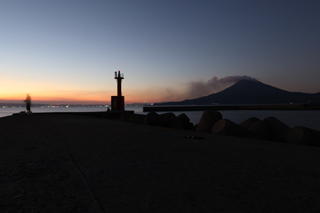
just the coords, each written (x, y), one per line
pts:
(306, 118)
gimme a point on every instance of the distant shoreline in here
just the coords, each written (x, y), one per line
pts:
(313, 106)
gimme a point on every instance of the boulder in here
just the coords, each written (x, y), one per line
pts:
(137, 118)
(195, 127)
(248, 122)
(175, 123)
(152, 118)
(278, 129)
(125, 116)
(303, 136)
(227, 127)
(164, 119)
(208, 119)
(184, 119)
(190, 127)
(260, 129)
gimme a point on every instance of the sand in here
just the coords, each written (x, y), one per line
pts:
(74, 163)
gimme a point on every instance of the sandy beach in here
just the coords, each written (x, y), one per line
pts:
(74, 163)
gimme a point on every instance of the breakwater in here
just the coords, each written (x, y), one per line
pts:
(311, 106)
(72, 163)
(212, 121)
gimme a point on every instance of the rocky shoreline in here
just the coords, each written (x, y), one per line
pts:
(270, 128)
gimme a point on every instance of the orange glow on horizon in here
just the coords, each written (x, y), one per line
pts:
(50, 93)
(85, 99)
(16, 88)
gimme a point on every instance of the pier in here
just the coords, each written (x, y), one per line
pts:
(158, 108)
(76, 163)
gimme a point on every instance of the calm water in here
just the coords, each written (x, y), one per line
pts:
(309, 118)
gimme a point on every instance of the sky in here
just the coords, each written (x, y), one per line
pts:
(66, 51)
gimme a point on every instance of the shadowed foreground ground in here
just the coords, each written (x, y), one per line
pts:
(72, 163)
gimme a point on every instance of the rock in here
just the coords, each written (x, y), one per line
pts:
(191, 127)
(278, 129)
(125, 116)
(137, 118)
(261, 130)
(164, 118)
(195, 127)
(175, 123)
(208, 119)
(227, 127)
(248, 122)
(184, 119)
(152, 118)
(303, 136)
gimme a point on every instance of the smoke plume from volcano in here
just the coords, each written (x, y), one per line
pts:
(202, 88)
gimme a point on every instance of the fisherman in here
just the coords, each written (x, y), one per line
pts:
(28, 104)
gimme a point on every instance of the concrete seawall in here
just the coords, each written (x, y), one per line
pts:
(234, 107)
(74, 163)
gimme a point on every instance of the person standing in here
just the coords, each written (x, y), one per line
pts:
(28, 103)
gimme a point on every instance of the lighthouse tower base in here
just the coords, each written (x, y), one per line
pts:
(117, 103)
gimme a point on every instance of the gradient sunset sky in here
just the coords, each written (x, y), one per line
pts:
(67, 51)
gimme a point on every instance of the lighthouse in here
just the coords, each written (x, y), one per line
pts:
(117, 102)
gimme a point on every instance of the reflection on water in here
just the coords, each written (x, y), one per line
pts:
(307, 118)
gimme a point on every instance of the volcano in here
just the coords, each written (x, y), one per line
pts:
(251, 92)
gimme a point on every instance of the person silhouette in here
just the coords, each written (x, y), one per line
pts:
(28, 103)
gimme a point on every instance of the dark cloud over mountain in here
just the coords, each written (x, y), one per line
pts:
(201, 88)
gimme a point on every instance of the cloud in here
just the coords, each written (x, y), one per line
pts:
(201, 88)
(171, 94)
(189, 90)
